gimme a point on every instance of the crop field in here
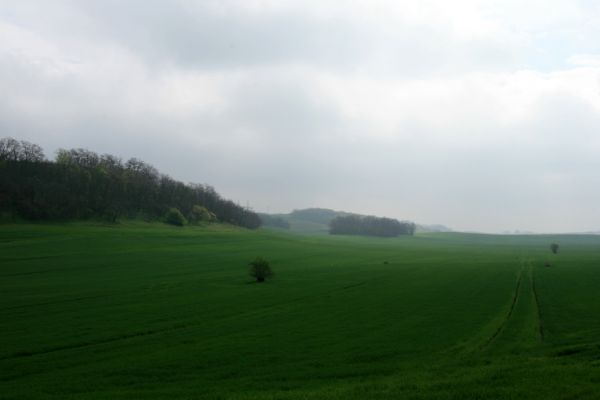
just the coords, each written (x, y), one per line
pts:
(144, 311)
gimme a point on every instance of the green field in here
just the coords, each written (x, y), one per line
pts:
(149, 311)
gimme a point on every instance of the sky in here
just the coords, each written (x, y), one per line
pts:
(479, 115)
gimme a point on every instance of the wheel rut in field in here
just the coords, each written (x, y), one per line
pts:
(536, 300)
(522, 326)
(510, 311)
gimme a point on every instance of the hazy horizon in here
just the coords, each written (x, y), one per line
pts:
(478, 115)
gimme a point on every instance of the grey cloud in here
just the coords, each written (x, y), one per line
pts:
(192, 35)
(277, 140)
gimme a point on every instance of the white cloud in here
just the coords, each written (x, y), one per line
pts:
(435, 111)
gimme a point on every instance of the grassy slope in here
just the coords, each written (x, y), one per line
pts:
(150, 311)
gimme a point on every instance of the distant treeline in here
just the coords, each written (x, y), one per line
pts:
(370, 226)
(81, 184)
(274, 221)
(317, 215)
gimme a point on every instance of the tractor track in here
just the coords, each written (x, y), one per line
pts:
(509, 314)
(538, 310)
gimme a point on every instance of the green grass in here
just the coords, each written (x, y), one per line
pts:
(151, 311)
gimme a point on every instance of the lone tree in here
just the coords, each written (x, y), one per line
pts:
(554, 248)
(260, 269)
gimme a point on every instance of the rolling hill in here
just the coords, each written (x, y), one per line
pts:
(316, 220)
(150, 311)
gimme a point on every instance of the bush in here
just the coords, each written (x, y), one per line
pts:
(202, 214)
(260, 269)
(175, 217)
(554, 248)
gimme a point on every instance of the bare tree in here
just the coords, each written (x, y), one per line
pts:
(14, 150)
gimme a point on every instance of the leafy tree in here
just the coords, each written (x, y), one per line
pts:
(78, 157)
(175, 217)
(260, 269)
(554, 248)
(201, 214)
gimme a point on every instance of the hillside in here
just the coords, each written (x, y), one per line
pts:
(316, 220)
(82, 185)
(309, 220)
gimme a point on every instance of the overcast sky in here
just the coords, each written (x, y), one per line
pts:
(480, 115)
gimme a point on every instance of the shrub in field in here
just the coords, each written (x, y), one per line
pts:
(554, 248)
(175, 217)
(260, 269)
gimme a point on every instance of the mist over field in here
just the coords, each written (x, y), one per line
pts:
(479, 115)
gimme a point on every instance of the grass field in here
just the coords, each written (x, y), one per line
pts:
(150, 311)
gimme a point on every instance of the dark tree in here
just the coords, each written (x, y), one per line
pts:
(14, 150)
(78, 157)
(260, 269)
(175, 217)
(370, 226)
(554, 248)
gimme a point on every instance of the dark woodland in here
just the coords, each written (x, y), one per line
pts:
(80, 184)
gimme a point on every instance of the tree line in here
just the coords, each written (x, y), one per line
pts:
(370, 226)
(274, 221)
(81, 184)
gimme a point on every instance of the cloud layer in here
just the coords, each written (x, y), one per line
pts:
(480, 115)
